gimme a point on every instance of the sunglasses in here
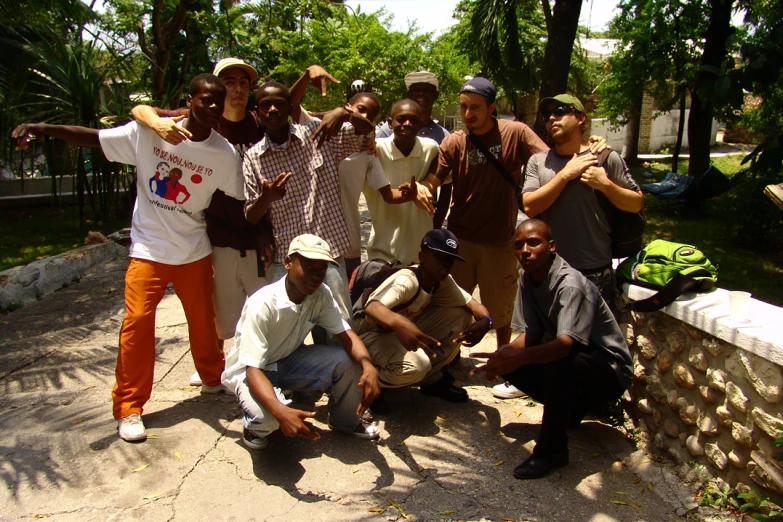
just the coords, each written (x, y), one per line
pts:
(560, 110)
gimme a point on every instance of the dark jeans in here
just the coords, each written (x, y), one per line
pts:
(569, 388)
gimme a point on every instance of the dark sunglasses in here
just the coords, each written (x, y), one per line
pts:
(560, 110)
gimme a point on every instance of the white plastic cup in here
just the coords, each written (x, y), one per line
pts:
(739, 302)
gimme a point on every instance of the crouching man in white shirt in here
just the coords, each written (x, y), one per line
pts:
(268, 354)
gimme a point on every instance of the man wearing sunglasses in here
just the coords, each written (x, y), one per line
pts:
(561, 187)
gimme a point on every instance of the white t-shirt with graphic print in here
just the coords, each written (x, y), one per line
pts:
(175, 184)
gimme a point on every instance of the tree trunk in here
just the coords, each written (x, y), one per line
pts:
(557, 55)
(680, 129)
(702, 111)
(632, 136)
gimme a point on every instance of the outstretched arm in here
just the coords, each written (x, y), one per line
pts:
(314, 74)
(73, 134)
(368, 382)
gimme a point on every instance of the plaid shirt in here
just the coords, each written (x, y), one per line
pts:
(312, 202)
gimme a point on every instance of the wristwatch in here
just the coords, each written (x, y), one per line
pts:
(488, 318)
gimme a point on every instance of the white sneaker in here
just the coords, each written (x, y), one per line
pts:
(131, 428)
(220, 388)
(254, 441)
(507, 391)
(195, 380)
(364, 430)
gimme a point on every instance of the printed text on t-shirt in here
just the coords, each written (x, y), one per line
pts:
(475, 157)
(182, 162)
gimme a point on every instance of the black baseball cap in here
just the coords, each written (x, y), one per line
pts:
(480, 85)
(442, 240)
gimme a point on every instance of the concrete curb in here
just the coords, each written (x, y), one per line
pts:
(25, 284)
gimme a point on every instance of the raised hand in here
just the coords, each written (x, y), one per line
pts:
(169, 131)
(319, 78)
(331, 124)
(275, 191)
(598, 144)
(292, 424)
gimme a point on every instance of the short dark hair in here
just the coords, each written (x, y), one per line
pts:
(404, 101)
(369, 95)
(538, 223)
(199, 81)
(272, 85)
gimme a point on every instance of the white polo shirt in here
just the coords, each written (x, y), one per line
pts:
(272, 327)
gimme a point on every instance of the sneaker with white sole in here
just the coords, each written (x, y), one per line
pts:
(219, 388)
(195, 380)
(507, 391)
(253, 440)
(131, 428)
(363, 430)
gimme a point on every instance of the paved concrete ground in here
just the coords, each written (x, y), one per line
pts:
(60, 457)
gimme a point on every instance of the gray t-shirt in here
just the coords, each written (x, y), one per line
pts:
(566, 303)
(580, 225)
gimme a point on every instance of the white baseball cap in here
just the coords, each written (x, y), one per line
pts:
(227, 63)
(420, 77)
(311, 247)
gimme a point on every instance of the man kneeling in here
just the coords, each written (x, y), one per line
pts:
(268, 354)
(583, 368)
(414, 322)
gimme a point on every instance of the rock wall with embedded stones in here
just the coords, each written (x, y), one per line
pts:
(699, 398)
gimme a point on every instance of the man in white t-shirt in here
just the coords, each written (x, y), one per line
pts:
(414, 322)
(396, 230)
(175, 184)
(269, 355)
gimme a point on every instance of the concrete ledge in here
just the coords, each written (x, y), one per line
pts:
(760, 335)
(24, 284)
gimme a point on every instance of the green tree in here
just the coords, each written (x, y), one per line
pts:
(653, 36)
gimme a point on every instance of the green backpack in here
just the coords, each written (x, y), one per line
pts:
(671, 268)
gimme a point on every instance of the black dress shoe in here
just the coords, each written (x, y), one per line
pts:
(538, 466)
(445, 390)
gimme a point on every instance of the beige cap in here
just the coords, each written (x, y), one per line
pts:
(227, 63)
(420, 77)
(311, 247)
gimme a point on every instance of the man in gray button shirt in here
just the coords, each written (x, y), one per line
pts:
(583, 368)
(561, 188)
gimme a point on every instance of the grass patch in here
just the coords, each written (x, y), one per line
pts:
(755, 268)
(31, 233)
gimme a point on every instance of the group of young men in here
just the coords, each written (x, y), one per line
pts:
(259, 215)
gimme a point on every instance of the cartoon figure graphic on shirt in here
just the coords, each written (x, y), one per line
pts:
(174, 188)
(160, 180)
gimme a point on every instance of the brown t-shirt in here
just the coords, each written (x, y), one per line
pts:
(226, 223)
(484, 207)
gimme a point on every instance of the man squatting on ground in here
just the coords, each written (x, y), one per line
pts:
(414, 322)
(586, 364)
(560, 188)
(241, 251)
(169, 239)
(268, 354)
(423, 89)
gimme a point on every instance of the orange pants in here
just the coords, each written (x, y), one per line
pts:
(145, 284)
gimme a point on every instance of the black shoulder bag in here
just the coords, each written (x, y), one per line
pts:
(500, 168)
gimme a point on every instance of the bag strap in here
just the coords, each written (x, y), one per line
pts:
(498, 166)
(679, 284)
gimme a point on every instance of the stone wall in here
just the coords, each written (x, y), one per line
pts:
(705, 400)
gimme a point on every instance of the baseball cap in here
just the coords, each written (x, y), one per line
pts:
(442, 240)
(311, 247)
(421, 77)
(480, 85)
(563, 98)
(227, 63)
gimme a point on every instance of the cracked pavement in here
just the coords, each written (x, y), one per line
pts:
(60, 456)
